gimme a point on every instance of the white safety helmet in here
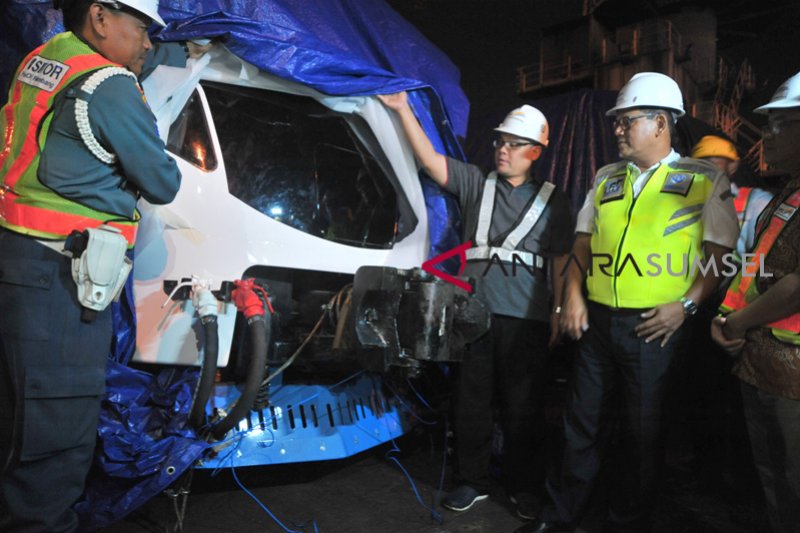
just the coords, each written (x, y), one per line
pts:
(527, 122)
(787, 95)
(148, 8)
(650, 89)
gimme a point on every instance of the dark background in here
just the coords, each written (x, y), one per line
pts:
(489, 39)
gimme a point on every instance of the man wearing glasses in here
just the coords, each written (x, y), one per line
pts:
(762, 322)
(650, 213)
(517, 223)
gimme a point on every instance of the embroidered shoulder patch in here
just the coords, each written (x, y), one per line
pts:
(43, 73)
(678, 183)
(613, 189)
(785, 212)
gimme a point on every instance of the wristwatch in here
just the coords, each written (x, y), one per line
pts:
(689, 307)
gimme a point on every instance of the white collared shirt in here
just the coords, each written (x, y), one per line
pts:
(643, 176)
(719, 218)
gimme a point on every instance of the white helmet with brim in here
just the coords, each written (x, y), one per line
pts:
(787, 95)
(526, 122)
(650, 90)
(148, 8)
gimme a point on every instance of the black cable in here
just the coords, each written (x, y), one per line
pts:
(262, 396)
(258, 359)
(197, 414)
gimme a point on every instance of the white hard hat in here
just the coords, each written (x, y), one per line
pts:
(527, 122)
(650, 89)
(787, 95)
(145, 7)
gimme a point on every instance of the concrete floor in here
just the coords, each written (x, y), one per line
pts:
(370, 493)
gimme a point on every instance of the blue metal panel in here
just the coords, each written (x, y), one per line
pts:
(310, 423)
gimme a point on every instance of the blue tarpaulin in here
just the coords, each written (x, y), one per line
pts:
(144, 442)
(338, 47)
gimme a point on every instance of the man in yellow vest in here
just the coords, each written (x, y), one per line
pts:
(762, 321)
(645, 222)
(80, 146)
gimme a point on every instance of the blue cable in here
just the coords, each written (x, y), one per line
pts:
(419, 396)
(444, 456)
(230, 455)
(268, 421)
(239, 436)
(258, 502)
(408, 407)
(345, 380)
(435, 515)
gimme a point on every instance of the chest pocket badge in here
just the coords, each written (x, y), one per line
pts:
(678, 183)
(613, 189)
(785, 212)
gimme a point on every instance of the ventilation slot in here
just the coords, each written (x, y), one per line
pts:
(274, 418)
(330, 415)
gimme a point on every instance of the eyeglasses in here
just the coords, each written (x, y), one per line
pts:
(512, 145)
(626, 121)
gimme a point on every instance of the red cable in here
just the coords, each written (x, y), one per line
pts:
(246, 299)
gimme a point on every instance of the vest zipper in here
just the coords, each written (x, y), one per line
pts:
(619, 249)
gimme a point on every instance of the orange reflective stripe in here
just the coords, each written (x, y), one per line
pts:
(790, 323)
(30, 147)
(740, 202)
(735, 298)
(9, 133)
(9, 109)
(53, 222)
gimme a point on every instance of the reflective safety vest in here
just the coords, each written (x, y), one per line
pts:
(507, 251)
(644, 249)
(740, 203)
(27, 205)
(743, 290)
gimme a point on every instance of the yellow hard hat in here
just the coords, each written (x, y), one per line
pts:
(714, 146)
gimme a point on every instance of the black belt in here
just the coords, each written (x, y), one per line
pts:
(622, 311)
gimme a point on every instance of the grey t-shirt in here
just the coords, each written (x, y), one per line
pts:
(511, 291)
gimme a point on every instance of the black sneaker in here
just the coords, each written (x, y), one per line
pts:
(462, 498)
(527, 504)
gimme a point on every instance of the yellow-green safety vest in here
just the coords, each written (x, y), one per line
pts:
(653, 241)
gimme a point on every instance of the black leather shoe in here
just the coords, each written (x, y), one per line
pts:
(540, 526)
(527, 505)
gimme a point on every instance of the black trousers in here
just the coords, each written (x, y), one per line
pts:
(52, 376)
(504, 368)
(620, 381)
(774, 426)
